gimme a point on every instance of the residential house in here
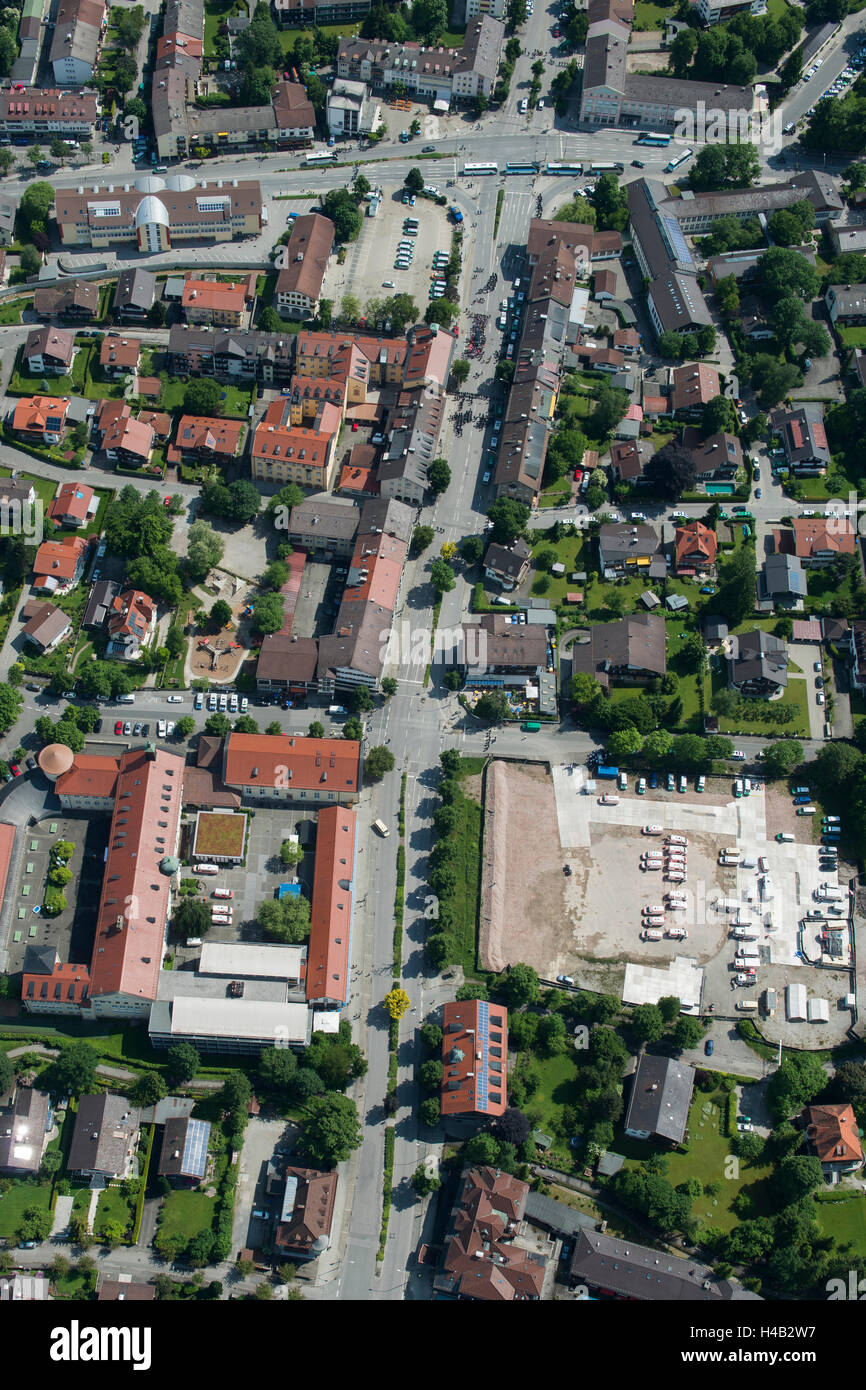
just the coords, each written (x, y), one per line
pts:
(126, 440)
(124, 1290)
(694, 386)
(630, 651)
(74, 505)
(696, 547)
(817, 540)
(104, 1138)
(661, 1094)
(846, 304)
(294, 114)
(481, 1259)
(626, 340)
(119, 355)
(303, 1228)
(134, 295)
(24, 1124)
(803, 437)
(833, 1136)
(758, 664)
(496, 652)
(46, 114)
(324, 528)
(507, 565)
(76, 41)
(60, 564)
(49, 351)
(131, 621)
(782, 581)
(628, 458)
(604, 285)
(74, 299)
(349, 112)
(712, 11)
(623, 546)
(216, 302)
(40, 419)
(99, 603)
(299, 283)
(305, 454)
(718, 457)
(45, 625)
(474, 1059)
(201, 439)
(845, 236)
(183, 1157)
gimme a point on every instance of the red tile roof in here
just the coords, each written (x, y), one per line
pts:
(130, 924)
(7, 840)
(90, 775)
(299, 764)
(474, 1058)
(696, 542)
(481, 1261)
(32, 413)
(331, 915)
(58, 559)
(814, 534)
(312, 1213)
(202, 432)
(74, 981)
(74, 500)
(833, 1133)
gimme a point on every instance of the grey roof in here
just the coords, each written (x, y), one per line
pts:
(637, 1271)
(101, 1137)
(660, 1095)
(605, 60)
(610, 1163)
(169, 1108)
(714, 628)
(389, 516)
(331, 518)
(136, 289)
(101, 597)
(555, 1216)
(184, 1148)
(679, 301)
(672, 91)
(39, 960)
(211, 120)
(25, 1120)
(759, 655)
(784, 574)
(507, 559)
(623, 541)
(75, 36)
(637, 642)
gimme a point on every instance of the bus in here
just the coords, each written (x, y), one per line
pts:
(558, 167)
(473, 170)
(677, 160)
(593, 170)
(653, 137)
(320, 157)
(522, 169)
(531, 726)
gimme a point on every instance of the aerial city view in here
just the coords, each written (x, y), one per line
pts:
(432, 653)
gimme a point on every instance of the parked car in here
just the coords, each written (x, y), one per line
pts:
(127, 729)
(708, 1047)
(118, 728)
(564, 980)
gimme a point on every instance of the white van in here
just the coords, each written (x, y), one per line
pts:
(220, 919)
(746, 934)
(785, 837)
(652, 854)
(653, 866)
(336, 709)
(677, 933)
(766, 885)
(651, 934)
(727, 905)
(194, 941)
(206, 869)
(828, 894)
(126, 699)
(223, 893)
(747, 1006)
(382, 828)
(524, 106)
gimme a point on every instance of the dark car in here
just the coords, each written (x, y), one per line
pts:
(654, 779)
(637, 164)
(708, 1047)
(428, 149)
(31, 763)
(31, 685)
(819, 682)
(145, 730)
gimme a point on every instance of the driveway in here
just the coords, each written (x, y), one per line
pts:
(260, 1140)
(806, 654)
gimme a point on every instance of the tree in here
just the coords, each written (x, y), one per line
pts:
(438, 476)
(782, 757)
(519, 986)
(204, 549)
(441, 311)
(316, 730)
(429, 19)
(688, 1032)
(509, 518)
(610, 203)
(624, 743)
(339, 206)
(148, 1089)
(794, 1084)
(202, 396)
(73, 1072)
(378, 761)
(267, 613)
(513, 1127)
(389, 686)
(353, 729)
(424, 1182)
(218, 725)
(783, 272)
(429, 1112)
(285, 919)
(671, 470)
(430, 1074)
(718, 414)
(422, 537)
(492, 707)
(182, 1063)
(191, 918)
(235, 1092)
(290, 854)
(551, 1034)
(459, 370)
(681, 53)
(331, 1130)
(737, 592)
(647, 1023)
(796, 1177)
(35, 1224)
(442, 576)
(277, 1067)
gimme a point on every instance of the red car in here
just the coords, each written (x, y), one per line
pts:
(166, 501)
(15, 769)
(557, 33)
(118, 728)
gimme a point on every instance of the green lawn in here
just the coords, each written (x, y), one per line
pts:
(851, 335)
(187, 1213)
(78, 1288)
(15, 1202)
(569, 552)
(10, 312)
(756, 722)
(45, 487)
(113, 1206)
(649, 16)
(845, 1222)
(557, 1088)
(236, 403)
(709, 1151)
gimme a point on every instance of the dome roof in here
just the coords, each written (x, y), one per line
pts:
(55, 759)
(180, 183)
(151, 210)
(149, 183)
(319, 1244)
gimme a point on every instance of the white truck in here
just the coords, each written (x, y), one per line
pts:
(651, 934)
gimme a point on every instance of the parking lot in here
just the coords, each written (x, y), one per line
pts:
(370, 260)
(70, 933)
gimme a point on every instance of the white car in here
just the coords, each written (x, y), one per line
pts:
(174, 699)
(169, 728)
(678, 516)
(540, 105)
(564, 980)
(637, 516)
(677, 840)
(160, 728)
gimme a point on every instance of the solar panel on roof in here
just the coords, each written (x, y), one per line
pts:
(677, 241)
(195, 1148)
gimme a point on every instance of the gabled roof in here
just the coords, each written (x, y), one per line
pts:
(104, 1127)
(320, 764)
(833, 1133)
(331, 912)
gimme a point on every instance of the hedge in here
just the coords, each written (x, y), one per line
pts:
(398, 912)
(387, 1187)
(222, 1241)
(731, 1114)
(139, 1204)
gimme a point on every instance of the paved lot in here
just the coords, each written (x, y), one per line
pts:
(260, 1140)
(370, 260)
(71, 932)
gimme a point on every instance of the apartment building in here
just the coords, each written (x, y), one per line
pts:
(219, 302)
(76, 41)
(202, 438)
(42, 115)
(440, 74)
(305, 454)
(299, 283)
(232, 355)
